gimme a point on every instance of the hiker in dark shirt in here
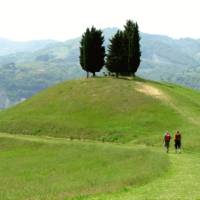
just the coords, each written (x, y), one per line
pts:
(177, 141)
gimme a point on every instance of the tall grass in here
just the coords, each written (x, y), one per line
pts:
(41, 170)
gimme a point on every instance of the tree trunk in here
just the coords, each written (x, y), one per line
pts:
(94, 74)
(117, 74)
(87, 74)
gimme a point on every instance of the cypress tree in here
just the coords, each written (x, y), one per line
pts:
(128, 42)
(84, 51)
(137, 51)
(92, 51)
(132, 47)
(114, 62)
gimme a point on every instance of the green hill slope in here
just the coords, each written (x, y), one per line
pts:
(79, 161)
(108, 109)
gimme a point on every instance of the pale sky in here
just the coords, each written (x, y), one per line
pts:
(24, 20)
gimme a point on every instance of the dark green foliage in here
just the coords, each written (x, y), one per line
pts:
(92, 51)
(132, 47)
(129, 45)
(136, 52)
(115, 57)
(83, 51)
(124, 51)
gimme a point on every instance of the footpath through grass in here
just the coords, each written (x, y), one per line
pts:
(182, 182)
(55, 169)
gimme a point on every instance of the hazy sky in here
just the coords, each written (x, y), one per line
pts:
(64, 19)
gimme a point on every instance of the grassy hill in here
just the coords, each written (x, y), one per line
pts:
(100, 138)
(107, 109)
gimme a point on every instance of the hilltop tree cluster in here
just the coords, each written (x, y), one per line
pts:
(92, 51)
(123, 56)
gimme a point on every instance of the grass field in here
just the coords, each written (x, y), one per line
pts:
(101, 138)
(44, 168)
(180, 183)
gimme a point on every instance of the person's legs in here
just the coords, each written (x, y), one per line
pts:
(179, 146)
(176, 146)
(167, 146)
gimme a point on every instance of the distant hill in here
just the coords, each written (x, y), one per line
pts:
(171, 60)
(28, 67)
(24, 73)
(10, 47)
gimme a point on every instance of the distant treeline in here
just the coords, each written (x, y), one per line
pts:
(123, 56)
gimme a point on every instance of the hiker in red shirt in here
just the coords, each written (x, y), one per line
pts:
(177, 141)
(166, 141)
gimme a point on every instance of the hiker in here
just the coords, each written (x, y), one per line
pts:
(177, 141)
(166, 141)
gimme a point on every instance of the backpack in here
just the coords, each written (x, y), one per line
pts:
(167, 137)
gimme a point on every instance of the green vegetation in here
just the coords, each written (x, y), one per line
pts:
(115, 59)
(92, 51)
(107, 109)
(132, 46)
(123, 53)
(106, 142)
(104, 109)
(180, 183)
(25, 73)
(41, 168)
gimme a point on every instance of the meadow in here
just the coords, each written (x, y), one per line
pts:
(46, 168)
(101, 138)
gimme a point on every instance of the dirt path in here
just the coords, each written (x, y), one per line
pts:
(159, 94)
(151, 91)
